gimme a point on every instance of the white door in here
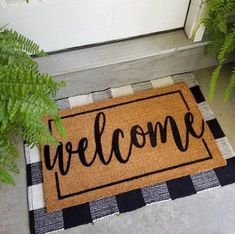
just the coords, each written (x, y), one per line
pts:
(61, 24)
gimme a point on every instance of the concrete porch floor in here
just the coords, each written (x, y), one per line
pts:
(207, 212)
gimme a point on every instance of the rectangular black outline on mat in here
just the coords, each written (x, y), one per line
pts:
(60, 197)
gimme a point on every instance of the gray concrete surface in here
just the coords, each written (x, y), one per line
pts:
(210, 211)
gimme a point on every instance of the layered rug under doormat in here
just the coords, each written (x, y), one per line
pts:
(127, 147)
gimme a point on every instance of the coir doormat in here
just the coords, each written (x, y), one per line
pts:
(42, 221)
(126, 143)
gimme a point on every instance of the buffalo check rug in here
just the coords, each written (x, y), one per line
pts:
(42, 221)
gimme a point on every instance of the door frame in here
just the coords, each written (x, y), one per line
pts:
(194, 28)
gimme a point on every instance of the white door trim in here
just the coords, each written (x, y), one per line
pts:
(194, 29)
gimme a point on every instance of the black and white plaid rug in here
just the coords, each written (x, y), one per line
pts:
(43, 222)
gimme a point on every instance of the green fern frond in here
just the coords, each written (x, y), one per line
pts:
(215, 45)
(5, 177)
(26, 98)
(9, 56)
(228, 46)
(19, 42)
(230, 87)
(8, 153)
(221, 35)
(23, 81)
(214, 78)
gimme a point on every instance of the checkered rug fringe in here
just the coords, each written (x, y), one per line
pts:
(43, 222)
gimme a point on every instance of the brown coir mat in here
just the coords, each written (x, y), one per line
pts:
(125, 143)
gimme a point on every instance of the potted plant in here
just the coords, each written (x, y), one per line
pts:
(26, 95)
(220, 31)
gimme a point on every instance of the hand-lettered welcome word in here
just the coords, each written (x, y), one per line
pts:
(138, 138)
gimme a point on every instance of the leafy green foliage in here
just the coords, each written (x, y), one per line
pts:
(221, 35)
(26, 96)
(230, 88)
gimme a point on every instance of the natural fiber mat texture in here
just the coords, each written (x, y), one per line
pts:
(123, 153)
(125, 143)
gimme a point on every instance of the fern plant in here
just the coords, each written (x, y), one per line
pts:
(26, 96)
(221, 34)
